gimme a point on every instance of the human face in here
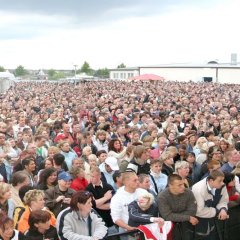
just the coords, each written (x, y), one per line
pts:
(217, 183)
(76, 163)
(64, 184)
(132, 182)
(95, 178)
(31, 167)
(65, 147)
(102, 137)
(191, 158)
(7, 194)
(102, 157)
(85, 209)
(235, 156)
(156, 168)
(182, 152)
(217, 156)
(52, 178)
(48, 164)
(162, 144)
(145, 184)
(8, 231)
(117, 145)
(183, 171)
(43, 227)
(177, 187)
(223, 146)
(2, 139)
(169, 161)
(38, 203)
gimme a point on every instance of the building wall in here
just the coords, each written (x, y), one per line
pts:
(122, 74)
(182, 74)
(229, 75)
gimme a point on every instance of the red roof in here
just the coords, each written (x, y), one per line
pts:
(147, 77)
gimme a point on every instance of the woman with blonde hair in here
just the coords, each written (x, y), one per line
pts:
(182, 168)
(6, 204)
(34, 200)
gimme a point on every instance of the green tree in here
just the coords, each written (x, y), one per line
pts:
(2, 69)
(85, 68)
(20, 71)
(102, 73)
(58, 75)
(122, 65)
(51, 73)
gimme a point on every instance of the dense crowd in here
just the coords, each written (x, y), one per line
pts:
(89, 160)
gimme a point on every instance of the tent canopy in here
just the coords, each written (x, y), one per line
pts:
(147, 77)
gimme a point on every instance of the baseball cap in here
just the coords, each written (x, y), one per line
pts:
(64, 176)
(112, 162)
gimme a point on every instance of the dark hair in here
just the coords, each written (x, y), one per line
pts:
(116, 174)
(181, 138)
(100, 152)
(23, 190)
(44, 175)
(5, 220)
(111, 145)
(208, 134)
(18, 177)
(228, 177)
(215, 174)
(79, 197)
(38, 216)
(26, 162)
(173, 177)
(58, 158)
(191, 154)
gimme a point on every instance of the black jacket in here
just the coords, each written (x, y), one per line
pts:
(34, 234)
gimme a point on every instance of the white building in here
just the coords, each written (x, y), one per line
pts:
(6, 81)
(123, 73)
(220, 73)
(212, 72)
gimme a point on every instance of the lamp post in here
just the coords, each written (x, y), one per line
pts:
(75, 71)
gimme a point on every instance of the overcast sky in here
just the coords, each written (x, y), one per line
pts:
(60, 33)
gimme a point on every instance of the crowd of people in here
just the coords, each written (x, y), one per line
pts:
(93, 159)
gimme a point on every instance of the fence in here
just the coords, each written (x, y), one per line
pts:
(226, 230)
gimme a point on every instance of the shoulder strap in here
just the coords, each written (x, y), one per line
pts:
(89, 222)
(155, 185)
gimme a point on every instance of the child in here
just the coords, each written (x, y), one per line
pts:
(158, 179)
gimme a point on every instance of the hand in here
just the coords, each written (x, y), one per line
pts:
(129, 228)
(67, 200)
(193, 220)
(60, 198)
(108, 194)
(159, 221)
(223, 215)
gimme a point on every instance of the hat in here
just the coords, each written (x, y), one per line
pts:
(112, 162)
(64, 176)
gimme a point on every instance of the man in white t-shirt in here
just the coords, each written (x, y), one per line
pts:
(120, 201)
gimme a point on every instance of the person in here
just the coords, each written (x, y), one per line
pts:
(110, 166)
(102, 193)
(139, 163)
(234, 198)
(194, 168)
(158, 179)
(212, 201)
(34, 200)
(168, 163)
(7, 231)
(59, 197)
(178, 204)
(157, 152)
(6, 204)
(67, 152)
(79, 181)
(40, 226)
(29, 167)
(117, 178)
(115, 149)
(18, 180)
(182, 169)
(233, 157)
(48, 179)
(120, 201)
(143, 211)
(80, 221)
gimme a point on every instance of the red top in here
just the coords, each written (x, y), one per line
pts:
(79, 184)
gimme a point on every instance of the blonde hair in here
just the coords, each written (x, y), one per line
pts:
(181, 164)
(165, 156)
(100, 132)
(4, 187)
(85, 149)
(32, 195)
(54, 149)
